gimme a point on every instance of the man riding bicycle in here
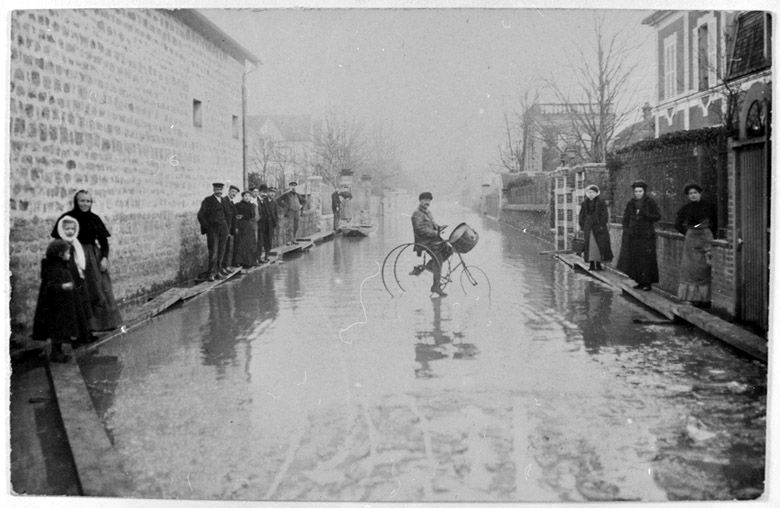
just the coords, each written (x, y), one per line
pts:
(426, 233)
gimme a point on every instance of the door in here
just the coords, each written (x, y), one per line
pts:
(753, 264)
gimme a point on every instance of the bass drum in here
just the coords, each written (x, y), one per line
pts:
(463, 238)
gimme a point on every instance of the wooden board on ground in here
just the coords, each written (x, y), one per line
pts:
(283, 250)
(162, 301)
(727, 332)
(317, 237)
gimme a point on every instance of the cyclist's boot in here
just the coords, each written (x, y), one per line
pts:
(417, 270)
(436, 287)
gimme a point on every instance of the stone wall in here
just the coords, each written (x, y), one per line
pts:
(104, 99)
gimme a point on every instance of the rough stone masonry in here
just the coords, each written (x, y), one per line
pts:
(138, 106)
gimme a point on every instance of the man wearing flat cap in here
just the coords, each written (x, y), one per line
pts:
(266, 225)
(214, 224)
(427, 233)
(292, 203)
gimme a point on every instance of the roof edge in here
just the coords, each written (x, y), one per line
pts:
(656, 17)
(207, 28)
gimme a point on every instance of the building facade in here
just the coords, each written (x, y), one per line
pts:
(141, 107)
(695, 56)
(280, 148)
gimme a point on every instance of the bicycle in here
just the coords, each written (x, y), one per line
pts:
(398, 279)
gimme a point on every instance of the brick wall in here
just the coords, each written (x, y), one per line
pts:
(103, 100)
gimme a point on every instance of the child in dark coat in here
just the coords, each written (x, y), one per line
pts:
(56, 315)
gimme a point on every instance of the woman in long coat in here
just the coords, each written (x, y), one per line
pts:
(638, 257)
(698, 221)
(246, 239)
(593, 219)
(93, 237)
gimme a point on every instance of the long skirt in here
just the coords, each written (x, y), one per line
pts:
(593, 253)
(638, 259)
(105, 313)
(695, 270)
(246, 243)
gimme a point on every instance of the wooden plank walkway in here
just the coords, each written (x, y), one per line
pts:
(317, 237)
(298, 246)
(729, 333)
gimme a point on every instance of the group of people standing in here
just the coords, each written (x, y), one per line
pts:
(75, 297)
(697, 221)
(239, 232)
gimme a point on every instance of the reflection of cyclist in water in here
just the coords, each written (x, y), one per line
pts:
(426, 233)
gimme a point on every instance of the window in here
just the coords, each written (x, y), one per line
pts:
(197, 113)
(703, 56)
(235, 127)
(670, 66)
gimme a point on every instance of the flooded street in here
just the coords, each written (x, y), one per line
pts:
(308, 381)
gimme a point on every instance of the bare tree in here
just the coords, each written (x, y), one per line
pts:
(272, 159)
(381, 154)
(339, 146)
(520, 132)
(601, 73)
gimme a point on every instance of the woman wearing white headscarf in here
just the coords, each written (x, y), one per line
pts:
(93, 236)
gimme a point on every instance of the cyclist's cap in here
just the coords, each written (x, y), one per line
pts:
(425, 195)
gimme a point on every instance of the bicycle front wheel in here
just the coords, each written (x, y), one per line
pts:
(474, 282)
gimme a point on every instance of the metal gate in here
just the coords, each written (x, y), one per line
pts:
(753, 280)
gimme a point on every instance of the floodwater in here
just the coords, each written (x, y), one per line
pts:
(308, 381)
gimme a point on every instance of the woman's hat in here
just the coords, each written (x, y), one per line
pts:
(639, 183)
(690, 186)
(594, 188)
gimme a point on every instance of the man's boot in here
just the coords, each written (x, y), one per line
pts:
(436, 287)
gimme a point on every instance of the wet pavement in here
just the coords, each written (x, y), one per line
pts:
(308, 381)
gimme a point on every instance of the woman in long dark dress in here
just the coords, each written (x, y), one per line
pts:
(93, 237)
(638, 258)
(697, 220)
(246, 239)
(593, 220)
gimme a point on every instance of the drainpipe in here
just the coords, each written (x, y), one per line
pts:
(244, 145)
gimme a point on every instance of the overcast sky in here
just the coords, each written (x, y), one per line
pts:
(440, 78)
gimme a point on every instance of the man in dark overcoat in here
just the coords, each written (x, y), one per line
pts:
(214, 224)
(427, 234)
(335, 205)
(267, 224)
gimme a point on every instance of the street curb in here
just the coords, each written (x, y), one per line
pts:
(721, 329)
(98, 464)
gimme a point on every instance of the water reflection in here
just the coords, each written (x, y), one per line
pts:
(436, 343)
(597, 306)
(218, 347)
(292, 288)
